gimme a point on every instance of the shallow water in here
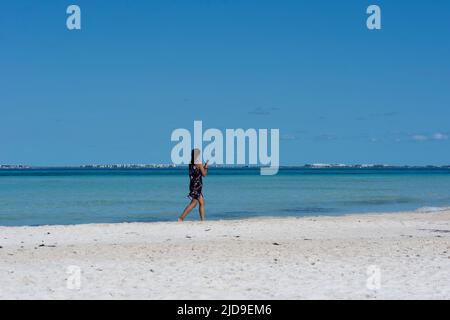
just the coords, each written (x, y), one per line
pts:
(70, 196)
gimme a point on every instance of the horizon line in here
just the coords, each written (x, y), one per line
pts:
(225, 166)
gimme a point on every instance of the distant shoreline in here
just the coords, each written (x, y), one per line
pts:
(172, 166)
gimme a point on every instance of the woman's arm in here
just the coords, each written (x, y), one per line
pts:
(203, 168)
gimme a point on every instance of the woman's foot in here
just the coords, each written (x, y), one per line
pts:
(180, 219)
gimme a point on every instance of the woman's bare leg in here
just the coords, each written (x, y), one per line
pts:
(201, 208)
(188, 209)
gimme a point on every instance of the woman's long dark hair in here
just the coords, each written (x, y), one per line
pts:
(193, 155)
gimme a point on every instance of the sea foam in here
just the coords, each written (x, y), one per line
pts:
(432, 209)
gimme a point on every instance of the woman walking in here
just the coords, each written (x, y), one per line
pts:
(196, 171)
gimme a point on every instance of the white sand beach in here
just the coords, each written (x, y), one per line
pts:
(270, 258)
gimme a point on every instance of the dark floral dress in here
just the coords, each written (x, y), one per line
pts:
(196, 182)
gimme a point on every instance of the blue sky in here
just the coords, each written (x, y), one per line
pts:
(114, 91)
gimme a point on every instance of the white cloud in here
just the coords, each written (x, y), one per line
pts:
(288, 136)
(440, 136)
(419, 137)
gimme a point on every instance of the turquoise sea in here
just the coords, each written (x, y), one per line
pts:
(72, 196)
